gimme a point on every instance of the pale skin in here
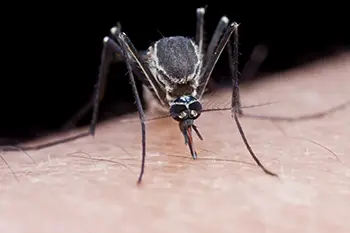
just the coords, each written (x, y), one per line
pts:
(222, 191)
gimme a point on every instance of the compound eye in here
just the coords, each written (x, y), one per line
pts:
(196, 106)
(178, 112)
(195, 109)
(182, 115)
(194, 113)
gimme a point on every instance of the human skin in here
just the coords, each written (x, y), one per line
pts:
(222, 191)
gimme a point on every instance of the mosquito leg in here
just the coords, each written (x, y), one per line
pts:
(200, 28)
(299, 118)
(106, 58)
(214, 42)
(235, 101)
(212, 58)
(126, 44)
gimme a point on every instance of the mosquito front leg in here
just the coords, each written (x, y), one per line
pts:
(235, 101)
(130, 52)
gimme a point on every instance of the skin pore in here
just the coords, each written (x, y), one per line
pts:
(89, 185)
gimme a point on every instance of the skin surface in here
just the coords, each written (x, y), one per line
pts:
(222, 191)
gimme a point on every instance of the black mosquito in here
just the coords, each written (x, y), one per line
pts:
(175, 70)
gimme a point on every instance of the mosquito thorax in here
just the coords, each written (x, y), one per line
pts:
(185, 108)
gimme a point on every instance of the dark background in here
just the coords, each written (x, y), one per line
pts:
(53, 73)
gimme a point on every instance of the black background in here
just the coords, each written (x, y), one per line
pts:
(55, 65)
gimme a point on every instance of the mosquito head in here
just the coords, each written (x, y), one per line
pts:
(185, 108)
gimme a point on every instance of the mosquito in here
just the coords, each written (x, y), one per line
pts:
(175, 72)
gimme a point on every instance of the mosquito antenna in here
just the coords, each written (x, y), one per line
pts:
(300, 118)
(157, 118)
(210, 110)
(230, 108)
